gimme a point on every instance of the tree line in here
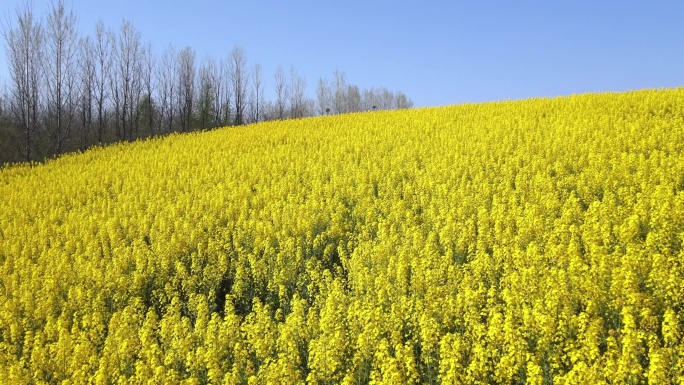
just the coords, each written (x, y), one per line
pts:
(68, 91)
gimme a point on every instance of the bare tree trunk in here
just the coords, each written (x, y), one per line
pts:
(238, 78)
(226, 102)
(186, 86)
(340, 83)
(24, 44)
(87, 80)
(258, 89)
(128, 60)
(166, 81)
(205, 93)
(60, 65)
(147, 78)
(281, 92)
(402, 101)
(297, 94)
(353, 99)
(137, 101)
(323, 96)
(8, 138)
(103, 72)
(218, 81)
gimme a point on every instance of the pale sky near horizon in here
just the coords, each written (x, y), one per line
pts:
(436, 52)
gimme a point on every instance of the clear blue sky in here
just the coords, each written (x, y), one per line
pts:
(437, 52)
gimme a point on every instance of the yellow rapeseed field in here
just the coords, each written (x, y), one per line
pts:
(536, 241)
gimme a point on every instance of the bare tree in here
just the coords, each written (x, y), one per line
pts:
(323, 96)
(220, 93)
(387, 99)
(227, 103)
(127, 88)
(340, 98)
(4, 101)
(138, 104)
(353, 98)
(115, 87)
(8, 140)
(87, 87)
(297, 94)
(239, 81)
(281, 92)
(206, 93)
(402, 101)
(104, 43)
(309, 107)
(186, 86)
(147, 76)
(257, 93)
(23, 47)
(367, 101)
(166, 88)
(60, 67)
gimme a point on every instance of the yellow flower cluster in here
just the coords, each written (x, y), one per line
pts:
(531, 241)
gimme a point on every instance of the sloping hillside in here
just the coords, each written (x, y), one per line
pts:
(536, 240)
